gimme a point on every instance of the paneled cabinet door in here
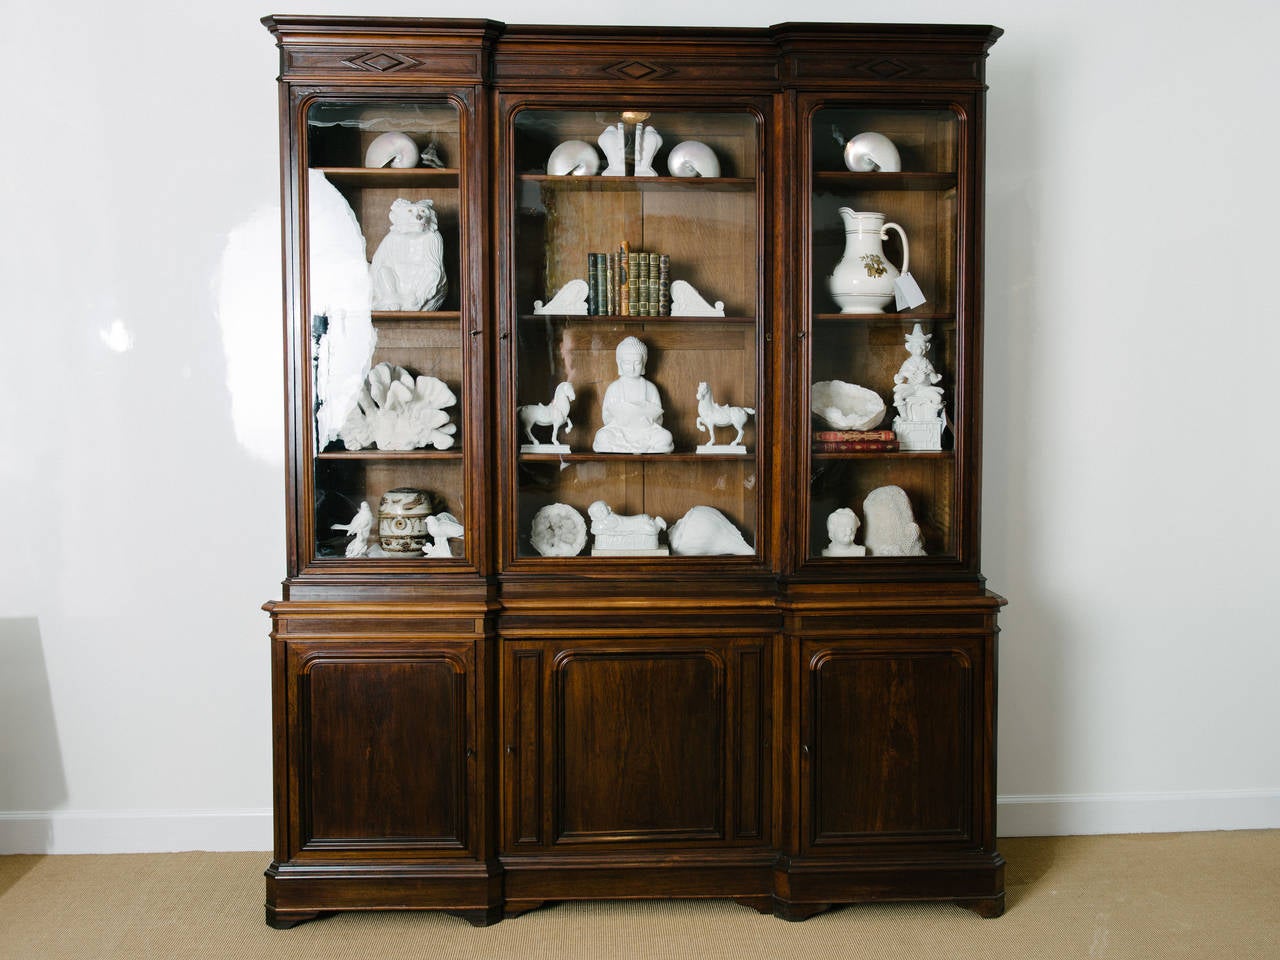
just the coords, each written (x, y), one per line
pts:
(380, 751)
(635, 741)
(888, 741)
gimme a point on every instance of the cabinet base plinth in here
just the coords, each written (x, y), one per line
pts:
(287, 919)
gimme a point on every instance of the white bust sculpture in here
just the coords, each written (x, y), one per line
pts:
(891, 527)
(616, 534)
(842, 527)
(920, 418)
(632, 409)
(408, 267)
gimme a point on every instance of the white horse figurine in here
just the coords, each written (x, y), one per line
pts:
(554, 415)
(712, 415)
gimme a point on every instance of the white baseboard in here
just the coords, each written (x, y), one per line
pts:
(166, 831)
(1094, 813)
(133, 831)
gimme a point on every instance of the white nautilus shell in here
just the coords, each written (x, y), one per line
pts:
(573, 158)
(693, 158)
(392, 150)
(869, 151)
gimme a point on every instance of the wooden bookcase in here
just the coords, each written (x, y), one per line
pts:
(494, 729)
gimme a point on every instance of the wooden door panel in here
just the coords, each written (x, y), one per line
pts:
(382, 747)
(888, 744)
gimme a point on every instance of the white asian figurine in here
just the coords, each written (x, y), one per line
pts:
(712, 415)
(616, 535)
(648, 140)
(573, 158)
(891, 529)
(358, 530)
(442, 527)
(870, 152)
(706, 532)
(570, 300)
(842, 527)
(393, 149)
(397, 411)
(408, 267)
(687, 302)
(921, 417)
(846, 406)
(554, 415)
(693, 158)
(632, 408)
(613, 141)
(558, 531)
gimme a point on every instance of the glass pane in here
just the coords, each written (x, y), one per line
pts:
(384, 284)
(884, 320)
(640, 292)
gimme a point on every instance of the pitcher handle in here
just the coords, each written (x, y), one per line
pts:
(906, 250)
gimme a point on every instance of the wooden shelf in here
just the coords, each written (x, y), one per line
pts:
(615, 319)
(390, 455)
(438, 316)
(599, 184)
(679, 456)
(885, 455)
(885, 317)
(425, 177)
(846, 180)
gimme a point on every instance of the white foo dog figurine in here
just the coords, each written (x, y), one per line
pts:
(712, 415)
(408, 268)
(920, 418)
(617, 535)
(632, 409)
(842, 527)
(554, 415)
(892, 530)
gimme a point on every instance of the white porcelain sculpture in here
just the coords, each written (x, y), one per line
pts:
(632, 408)
(613, 141)
(693, 158)
(573, 158)
(712, 415)
(891, 529)
(392, 149)
(430, 156)
(619, 536)
(408, 267)
(687, 302)
(558, 531)
(397, 411)
(868, 152)
(442, 527)
(921, 417)
(358, 530)
(846, 406)
(554, 415)
(648, 140)
(864, 279)
(570, 300)
(706, 532)
(842, 527)
(402, 521)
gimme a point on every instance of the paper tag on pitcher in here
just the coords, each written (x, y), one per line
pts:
(906, 292)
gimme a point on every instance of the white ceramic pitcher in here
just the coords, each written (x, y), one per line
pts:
(863, 279)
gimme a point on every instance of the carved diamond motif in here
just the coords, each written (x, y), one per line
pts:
(381, 62)
(637, 70)
(887, 69)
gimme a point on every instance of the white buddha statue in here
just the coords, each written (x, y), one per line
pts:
(632, 408)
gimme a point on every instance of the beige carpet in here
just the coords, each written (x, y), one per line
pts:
(1210, 895)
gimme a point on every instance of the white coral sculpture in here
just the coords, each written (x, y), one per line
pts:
(397, 411)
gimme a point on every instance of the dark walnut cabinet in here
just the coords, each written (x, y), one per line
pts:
(549, 702)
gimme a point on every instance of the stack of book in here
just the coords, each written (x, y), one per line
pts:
(854, 441)
(629, 283)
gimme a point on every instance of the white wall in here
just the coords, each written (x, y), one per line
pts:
(1130, 513)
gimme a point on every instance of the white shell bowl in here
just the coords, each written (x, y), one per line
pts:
(871, 151)
(392, 150)
(693, 158)
(573, 158)
(847, 406)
